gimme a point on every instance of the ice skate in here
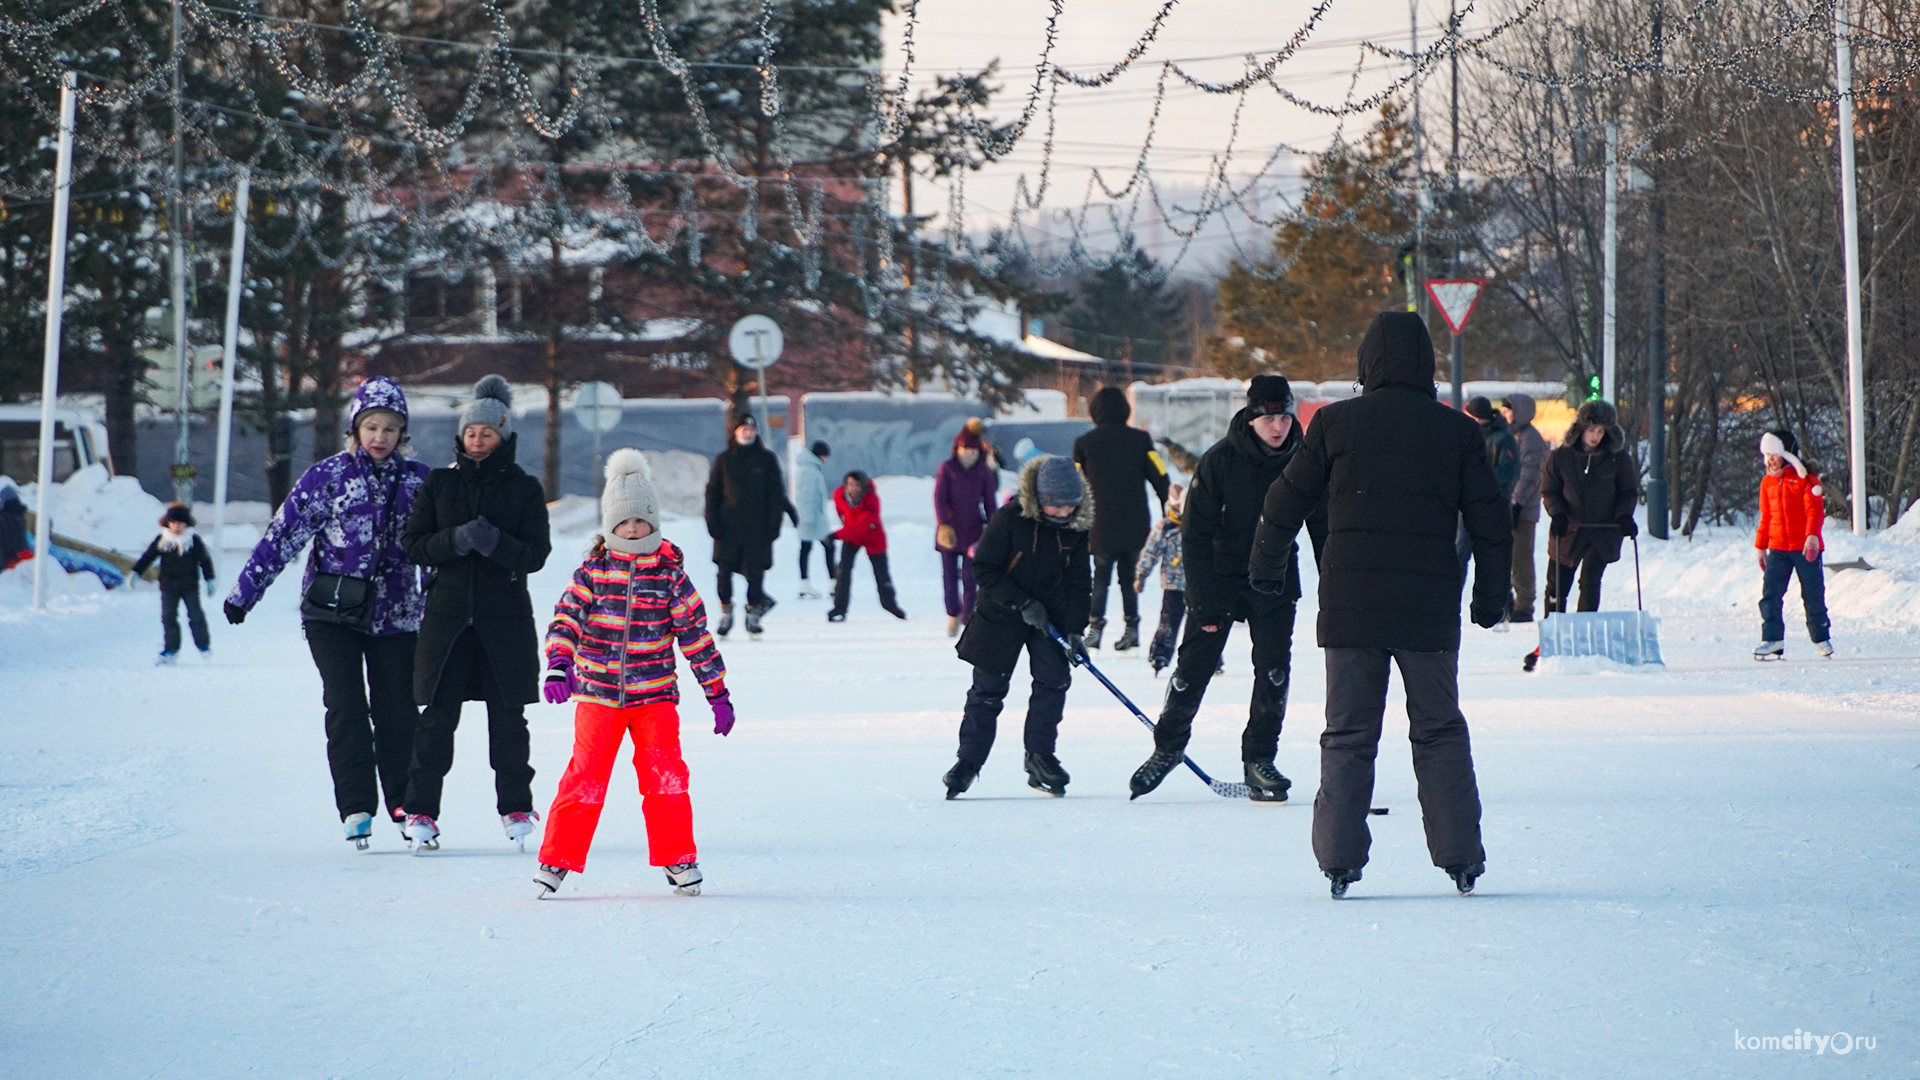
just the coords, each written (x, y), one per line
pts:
(1151, 772)
(1045, 775)
(206, 656)
(807, 592)
(836, 616)
(166, 659)
(893, 608)
(685, 878)
(359, 828)
(519, 826)
(1528, 661)
(423, 833)
(960, 777)
(725, 625)
(754, 614)
(1129, 637)
(1265, 783)
(1092, 637)
(548, 878)
(1340, 879)
(1463, 876)
(1770, 650)
(1824, 648)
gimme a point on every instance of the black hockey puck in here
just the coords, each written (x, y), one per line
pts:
(1380, 810)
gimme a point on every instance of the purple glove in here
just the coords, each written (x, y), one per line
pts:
(722, 713)
(560, 683)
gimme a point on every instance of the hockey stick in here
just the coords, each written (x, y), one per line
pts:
(1220, 787)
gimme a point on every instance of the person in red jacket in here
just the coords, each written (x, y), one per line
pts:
(1792, 508)
(860, 530)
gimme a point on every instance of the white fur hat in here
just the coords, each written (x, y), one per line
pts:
(1771, 444)
(629, 494)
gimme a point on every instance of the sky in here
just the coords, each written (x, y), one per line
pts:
(1105, 128)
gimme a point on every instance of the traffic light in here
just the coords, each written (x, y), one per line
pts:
(1593, 388)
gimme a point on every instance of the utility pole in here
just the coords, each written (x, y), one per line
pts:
(1453, 169)
(177, 224)
(1850, 224)
(1415, 287)
(1609, 273)
(1657, 295)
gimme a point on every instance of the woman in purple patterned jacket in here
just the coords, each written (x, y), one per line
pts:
(353, 506)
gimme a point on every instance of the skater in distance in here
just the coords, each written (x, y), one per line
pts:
(1120, 464)
(812, 505)
(610, 651)
(1792, 508)
(183, 560)
(964, 488)
(745, 500)
(861, 530)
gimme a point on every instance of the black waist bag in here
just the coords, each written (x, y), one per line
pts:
(339, 599)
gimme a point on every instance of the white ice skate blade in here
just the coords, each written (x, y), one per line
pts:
(362, 843)
(687, 890)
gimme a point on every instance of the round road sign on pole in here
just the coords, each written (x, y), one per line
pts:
(756, 342)
(597, 406)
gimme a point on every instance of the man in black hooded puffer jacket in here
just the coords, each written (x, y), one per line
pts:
(1119, 462)
(1398, 471)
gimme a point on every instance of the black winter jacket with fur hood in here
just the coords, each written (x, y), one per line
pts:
(1590, 495)
(1021, 558)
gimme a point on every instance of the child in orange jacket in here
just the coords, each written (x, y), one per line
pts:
(860, 530)
(1792, 508)
(610, 649)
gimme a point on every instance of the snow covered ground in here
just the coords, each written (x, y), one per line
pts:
(1677, 859)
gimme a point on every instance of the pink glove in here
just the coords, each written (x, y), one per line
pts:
(560, 683)
(722, 713)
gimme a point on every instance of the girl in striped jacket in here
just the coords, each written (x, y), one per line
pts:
(610, 650)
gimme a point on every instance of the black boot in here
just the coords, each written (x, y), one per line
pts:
(1463, 876)
(726, 621)
(1092, 636)
(1527, 662)
(1152, 771)
(1129, 637)
(960, 777)
(1340, 879)
(1265, 784)
(1045, 775)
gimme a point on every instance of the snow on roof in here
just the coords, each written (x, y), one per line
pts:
(1053, 350)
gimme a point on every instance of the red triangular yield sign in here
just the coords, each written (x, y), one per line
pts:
(1456, 300)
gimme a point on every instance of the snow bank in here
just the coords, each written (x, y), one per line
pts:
(111, 511)
(1716, 569)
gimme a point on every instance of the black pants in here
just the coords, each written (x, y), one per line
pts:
(1173, 605)
(981, 718)
(1200, 652)
(1560, 578)
(756, 591)
(508, 750)
(367, 686)
(170, 602)
(1442, 756)
(826, 556)
(1103, 567)
(843, 578)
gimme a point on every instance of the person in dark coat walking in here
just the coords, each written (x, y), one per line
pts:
(480, 527)
(745, 498)
(183, 560)
(963, 490)
(1518, 410)
(1223, 508)
(1033, 571)
(1590, 485)
(1396, 470)
(1119, 463)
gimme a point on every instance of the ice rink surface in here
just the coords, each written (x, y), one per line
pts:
(1676, 860)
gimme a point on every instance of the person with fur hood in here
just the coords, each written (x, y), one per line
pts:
(1590, 485)
(183, 560)
(480, 527)
(1034, 572)
(362, 600)
(1120, 465)
(1793, 507)
(610, 651)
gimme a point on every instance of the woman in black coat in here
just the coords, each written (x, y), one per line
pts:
(745, 498)
(1120, 464)
(1590, 486)
(481, 528)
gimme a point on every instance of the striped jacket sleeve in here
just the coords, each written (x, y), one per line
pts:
(569, 615)
(696, 644)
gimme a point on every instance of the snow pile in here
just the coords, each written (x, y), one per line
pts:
(1717, 569)
(111, 511)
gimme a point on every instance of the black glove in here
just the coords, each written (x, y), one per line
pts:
(1628, 527)
(478, 535)
(1077, 648)
(1269, 587)
(235, 613)
(1034, 614)
(1556, 526)
(1486, 616)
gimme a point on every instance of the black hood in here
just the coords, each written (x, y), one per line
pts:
(1109, 406)
(1397, 351)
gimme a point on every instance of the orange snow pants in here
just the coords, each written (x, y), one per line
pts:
(597, 733)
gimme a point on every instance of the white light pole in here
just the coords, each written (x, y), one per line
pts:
(236, 264)
(1610, 271)
(56, 308)
(1850, 226)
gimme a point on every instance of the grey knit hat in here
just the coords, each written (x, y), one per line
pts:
(629, 494)
(1058, 483)
(492, 405)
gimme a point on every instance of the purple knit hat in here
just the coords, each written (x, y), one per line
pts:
(378, 392)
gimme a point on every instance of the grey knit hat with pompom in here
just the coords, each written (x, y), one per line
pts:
(629, 494)
(492, 405)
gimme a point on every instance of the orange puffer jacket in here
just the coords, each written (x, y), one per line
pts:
(1792, 508)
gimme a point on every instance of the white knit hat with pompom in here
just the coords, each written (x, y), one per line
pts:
(629, 494)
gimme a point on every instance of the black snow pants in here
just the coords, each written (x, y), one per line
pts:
(507, 741)
(367, 686)
(756, 584)
(1200, 652)
(843, 579)
(1051, 678)
(170, 602)
(1103, 574)
(1442, 756)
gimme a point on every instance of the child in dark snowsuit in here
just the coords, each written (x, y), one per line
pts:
(1034, 571)
(1163, 547)
(184, 559)
(610, 649)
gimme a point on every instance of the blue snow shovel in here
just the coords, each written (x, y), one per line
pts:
(1220, 787)
(1625, 637)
